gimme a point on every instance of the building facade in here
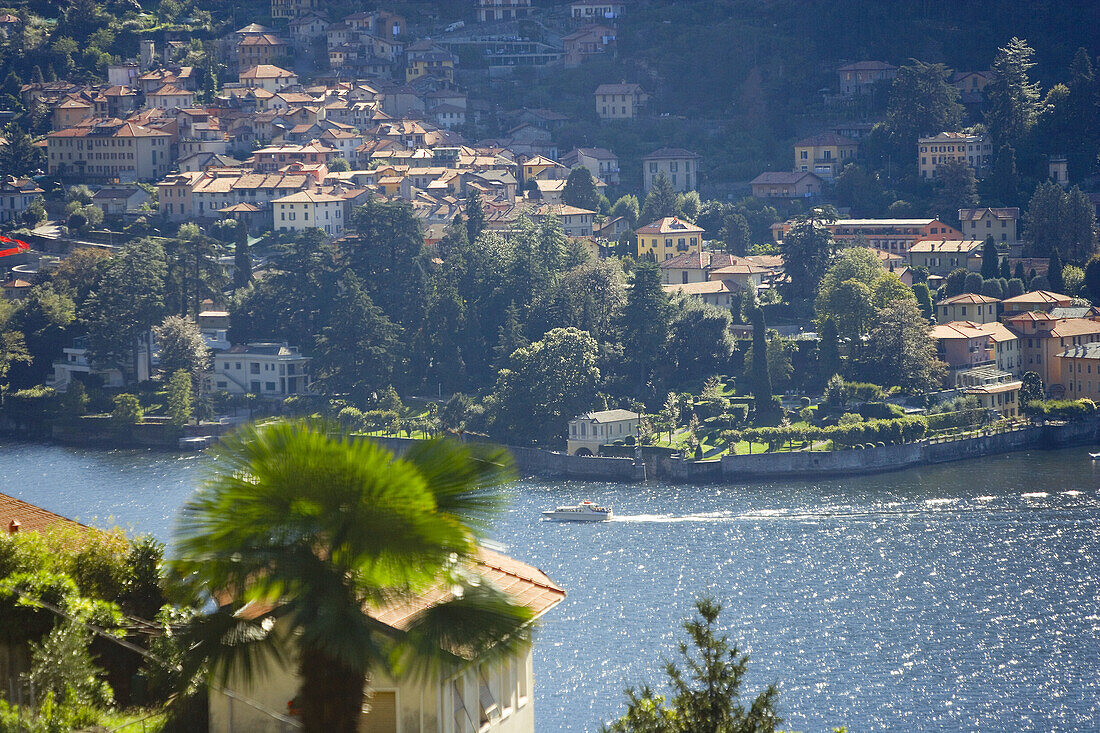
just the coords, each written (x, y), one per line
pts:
(111, 150)
(589, 431)
(667, 238)
(680, 166)
(264, 369)
(975, 150)
(619, 101)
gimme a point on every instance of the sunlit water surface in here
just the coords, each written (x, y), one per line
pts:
(961, 597)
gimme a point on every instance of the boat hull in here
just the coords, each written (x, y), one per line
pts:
(578, 516)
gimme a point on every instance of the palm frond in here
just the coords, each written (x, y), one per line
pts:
(464, 478)
(479, 624)
(231, 647)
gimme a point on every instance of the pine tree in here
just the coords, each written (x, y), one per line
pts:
(645, 322)
(766, 406)
(660, 202)
(1018, 273)
(990, 258)
(1006, 179)
(475, 215)
(36, 75)
(1012, 99)
(242, 258)
(509, 337)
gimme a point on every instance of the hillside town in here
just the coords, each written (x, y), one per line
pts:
(502, 224)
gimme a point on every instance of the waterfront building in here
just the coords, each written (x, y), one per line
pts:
(263, 369)
(589, 431)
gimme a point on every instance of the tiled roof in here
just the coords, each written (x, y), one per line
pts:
(669, 225)
(947, 246)
(782, 177)
(825, 138)
(33, 518)
(1040, 296)
(1009, 212)
(968, 299)
(675, 153)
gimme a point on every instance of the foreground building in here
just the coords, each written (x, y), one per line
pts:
(589, 431)
(488, 697)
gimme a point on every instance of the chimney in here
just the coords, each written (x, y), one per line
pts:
(14, 526)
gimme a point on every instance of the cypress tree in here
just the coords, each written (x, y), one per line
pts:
(990, 270)
(829, 354)
(1006, 271)
(1018, 273)
(242, 258)
(1054, 273)
(475, 215)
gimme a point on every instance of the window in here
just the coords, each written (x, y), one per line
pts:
(486, 700)
(254, 368)
(269, 386)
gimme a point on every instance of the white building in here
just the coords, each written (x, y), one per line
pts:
(265, 369)
(309, 210)
(76, 362)
(589, 431)
(975, 150)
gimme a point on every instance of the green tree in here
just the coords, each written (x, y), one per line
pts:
(955, 283)
(900, 350)
(127, 410)
(128, 301)
(661, 201)
(973, 283)
(1092, 279)
(956, 188)
(990, 259)
(13, 346)
(857, 263)
(547, 383)
(1080, 236)
(1054, 272)
(1006, 179)
(1044, 223)
(852, 308)
(242, 258)
(475, 215)
(339, 165)
(1031, 388)
(1012, 99)
(45, 318)
(386, 250)
(889, 288)
(807, 250)
(194, 270)
(760, 381)
(735, 234)
(320, 528)
(509, 338)
(580, 190)
(922, 101)
(627, 206)
(645, 322)
(924, 299)
(180, 404)
(19, 157)
(828, 360)
(182, 348)
(700, 339)
(707, 696)
(358, 347)
(1073, 280)
(861, 191)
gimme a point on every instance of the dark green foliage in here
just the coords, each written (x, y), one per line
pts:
(829, 355)
(972, 283)
(19, 157)
(580, 190)
(475, 215)
(1012, 99)
(924, 299)
(661, 201)
(807, 249)
(1031, 389)
(700, 339)
(1054, 272)
(990, 259)
(707, 695)
(922, 102)
(1092, 279)
(645, 322)
(242, 258)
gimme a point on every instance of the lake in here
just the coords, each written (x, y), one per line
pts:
(961, 597)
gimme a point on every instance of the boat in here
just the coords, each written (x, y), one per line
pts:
(1094, 456)
(586, 511)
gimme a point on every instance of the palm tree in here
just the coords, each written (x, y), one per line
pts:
(315, 529)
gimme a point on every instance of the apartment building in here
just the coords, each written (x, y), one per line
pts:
(975, 150)
(109, 150)
(680, 166)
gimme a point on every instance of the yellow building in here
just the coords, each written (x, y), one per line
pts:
(667, 238)
(434, 64)
(974, 150)
(1080, 370)
(619, 101)
(824, 155)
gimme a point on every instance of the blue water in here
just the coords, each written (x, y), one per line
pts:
(962, 597)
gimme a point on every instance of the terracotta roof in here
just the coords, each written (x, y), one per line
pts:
(33, 518)
(968, 299)
(669, 225)
(1040, 296)
(266, 71)
(958, 246)
(608, 415)
(709, 287)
